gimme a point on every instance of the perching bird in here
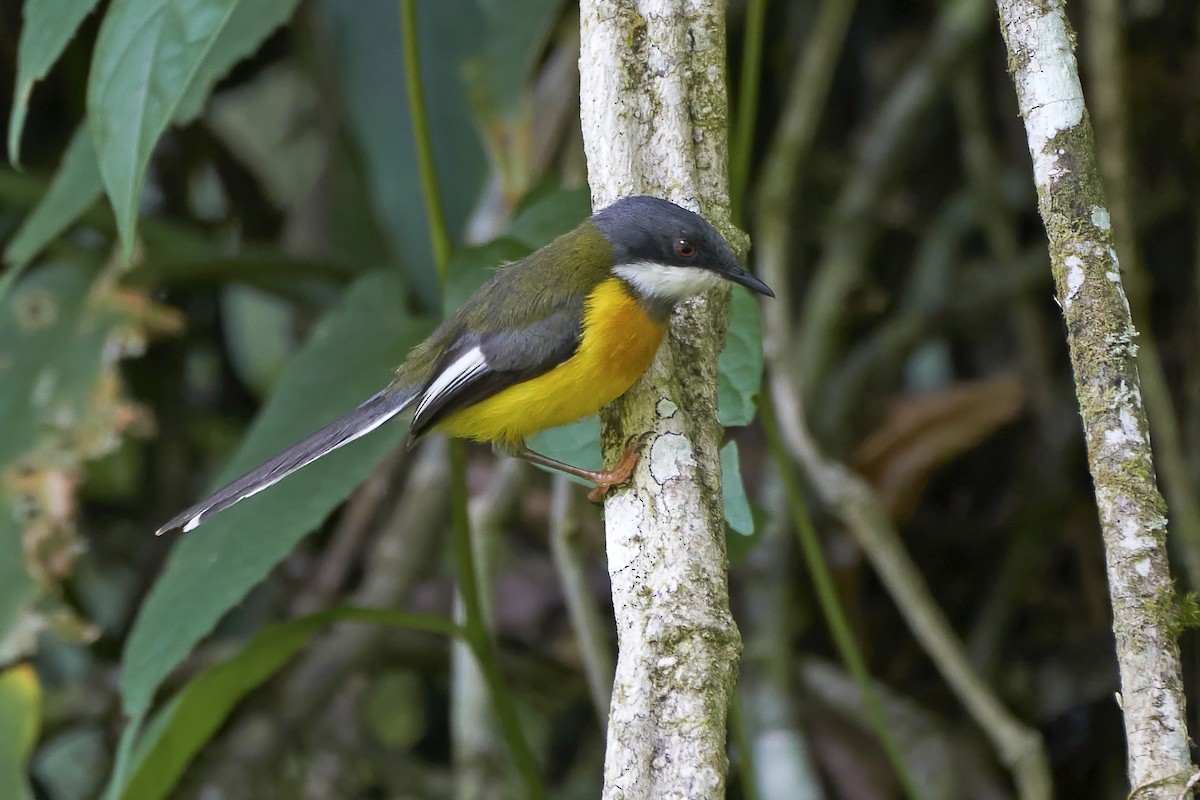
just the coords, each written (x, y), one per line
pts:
(547, 340)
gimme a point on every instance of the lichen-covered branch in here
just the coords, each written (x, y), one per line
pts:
(1101, 335)
(654, 116)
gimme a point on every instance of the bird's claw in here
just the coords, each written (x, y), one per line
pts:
(621, 472)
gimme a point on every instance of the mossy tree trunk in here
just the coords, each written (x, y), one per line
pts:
(1101, 335)
(654, 118)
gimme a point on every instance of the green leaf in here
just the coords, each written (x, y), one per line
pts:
(49, 26)
(191, 718)
(364, 36)
(74, 188)
(249, 24)
(258, 331)
(20, 719)
(577, 443)
(146, 55)
(551, 215)
(740, 366)
(349, 357)
(18, 591)
(499, 71)
(733, 492)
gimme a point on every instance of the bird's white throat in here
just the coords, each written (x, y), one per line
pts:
(664, 282)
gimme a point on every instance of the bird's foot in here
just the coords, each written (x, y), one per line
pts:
(621, 472)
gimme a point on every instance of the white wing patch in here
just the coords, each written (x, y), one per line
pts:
(670, 283)
(465, 368)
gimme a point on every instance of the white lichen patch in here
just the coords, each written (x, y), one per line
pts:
(1133, 538)
(1075, 277)
(1101, 219)
(666, 409)
(670, 455)
(1127, 433)
(1050, 96)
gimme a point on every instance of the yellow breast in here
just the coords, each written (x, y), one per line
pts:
(619, 341)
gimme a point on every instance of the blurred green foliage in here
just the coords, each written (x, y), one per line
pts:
(261, 260)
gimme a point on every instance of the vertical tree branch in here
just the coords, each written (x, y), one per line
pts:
(654, 120)
(1111, 103)
(1100, 334)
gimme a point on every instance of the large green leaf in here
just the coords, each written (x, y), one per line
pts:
(20, 719)
(364, 37)
(74, 188)
(156, 61)
(250, 23)
(190, 719)
(740, 366)
(18, 590)
(146, 55)
(49, 25)
(349, 358)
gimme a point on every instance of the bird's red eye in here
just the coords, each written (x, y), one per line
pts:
(684, 248)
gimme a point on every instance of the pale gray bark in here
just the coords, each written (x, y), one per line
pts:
(652, 76)
(1101, 337)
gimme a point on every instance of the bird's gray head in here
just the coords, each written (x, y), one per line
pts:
(667, 253)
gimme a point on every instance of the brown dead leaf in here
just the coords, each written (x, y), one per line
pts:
(921, 433)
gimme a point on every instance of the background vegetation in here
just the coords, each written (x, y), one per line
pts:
(279, 263)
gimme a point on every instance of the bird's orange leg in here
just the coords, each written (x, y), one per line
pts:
(603, 479)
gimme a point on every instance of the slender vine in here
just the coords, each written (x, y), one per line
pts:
(475, 630)
(831, 607)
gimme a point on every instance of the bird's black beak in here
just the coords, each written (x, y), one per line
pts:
(739, 275)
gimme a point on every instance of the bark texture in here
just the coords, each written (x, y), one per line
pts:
(1101, 335)
(654, 113)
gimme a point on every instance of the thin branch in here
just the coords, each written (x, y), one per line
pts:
(1110, 101)
(831, 608)
(845, 493)
(852, 225)
(1101, 336)
(585, 616)
(479, 754)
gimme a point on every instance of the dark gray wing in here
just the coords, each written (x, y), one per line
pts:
(479, 365)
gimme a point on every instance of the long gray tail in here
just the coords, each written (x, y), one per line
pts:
(359, 422)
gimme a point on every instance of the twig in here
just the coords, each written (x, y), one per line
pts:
(851, 226)
(835, 616)
(346, 542)
(479, 754)
(782, 768)
(590, 629)
(402, 553)
(475, 628)
(845, 493)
